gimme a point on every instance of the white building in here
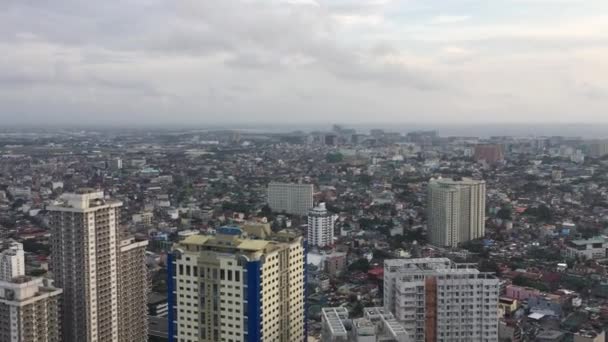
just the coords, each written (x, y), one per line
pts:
(230, 288)
(456, 211)
(437, 300)
(377, 325)
(594, 248)
(321, 226)
(12, 261)
(91, 264)
(290, 198)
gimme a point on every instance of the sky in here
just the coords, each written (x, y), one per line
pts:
(198, 62)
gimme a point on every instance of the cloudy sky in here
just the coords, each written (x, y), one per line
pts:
(290, 61)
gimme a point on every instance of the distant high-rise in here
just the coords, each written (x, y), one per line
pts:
(438, 300)
(12, 260)
(489, 153)
(291, 198)
(87, 264)
(231, 288)
(29, 310)
(320, 226)
(598, 148)
(455, 211)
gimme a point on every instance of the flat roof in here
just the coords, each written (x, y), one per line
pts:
(334, 318)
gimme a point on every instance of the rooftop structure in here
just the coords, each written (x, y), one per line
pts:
(376, 325)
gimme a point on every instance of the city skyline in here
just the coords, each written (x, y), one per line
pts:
(192, 62)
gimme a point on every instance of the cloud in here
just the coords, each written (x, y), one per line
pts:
(449, 19)
(348, 60)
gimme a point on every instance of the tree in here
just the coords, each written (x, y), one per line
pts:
(336, 157)
(505, 213)
(361, 265)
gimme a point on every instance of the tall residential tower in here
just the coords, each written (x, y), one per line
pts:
(438, 300)
(87, 263)
(455, 211)
(231, 288)
(320, 226)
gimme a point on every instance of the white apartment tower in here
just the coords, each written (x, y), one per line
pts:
(86, 264)
(230, 288)
(321, 226)
(438, 300)
(455, 211)
(12, 260)
(291, 198)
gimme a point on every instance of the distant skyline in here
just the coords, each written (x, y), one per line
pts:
(208, 62)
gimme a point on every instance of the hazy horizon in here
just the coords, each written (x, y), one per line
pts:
(483, 130)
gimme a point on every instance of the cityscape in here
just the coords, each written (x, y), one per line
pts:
(304, 171)
(334, 235)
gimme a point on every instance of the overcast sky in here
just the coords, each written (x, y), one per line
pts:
(233, 61)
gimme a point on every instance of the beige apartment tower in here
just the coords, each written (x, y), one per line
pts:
(455, 211)
(229, 287)
(87, 264)
(290, 198)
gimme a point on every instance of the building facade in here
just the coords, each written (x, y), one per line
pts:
(489, 153)
(132, 291)
(230, 288)
(456, 211)
(290, 198)
(321, 226)
(587, 249)
(86, 264)
(12, 260)
(29, 311)
(438, 300)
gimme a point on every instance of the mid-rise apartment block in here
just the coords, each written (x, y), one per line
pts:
(321, 226)
(456, 210)
(438, 300)
(87, 264)
(290, 198)
(231, 288)
(29, 310)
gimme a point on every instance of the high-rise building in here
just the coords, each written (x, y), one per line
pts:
(320, 226)
(489, 153)
(438, 300)
(376, 325)
(12, 260)
(132, 291)
(29, 310)
(87, 264)
(291, 198)
(230, 288)
(455, 211)
(598, 148)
